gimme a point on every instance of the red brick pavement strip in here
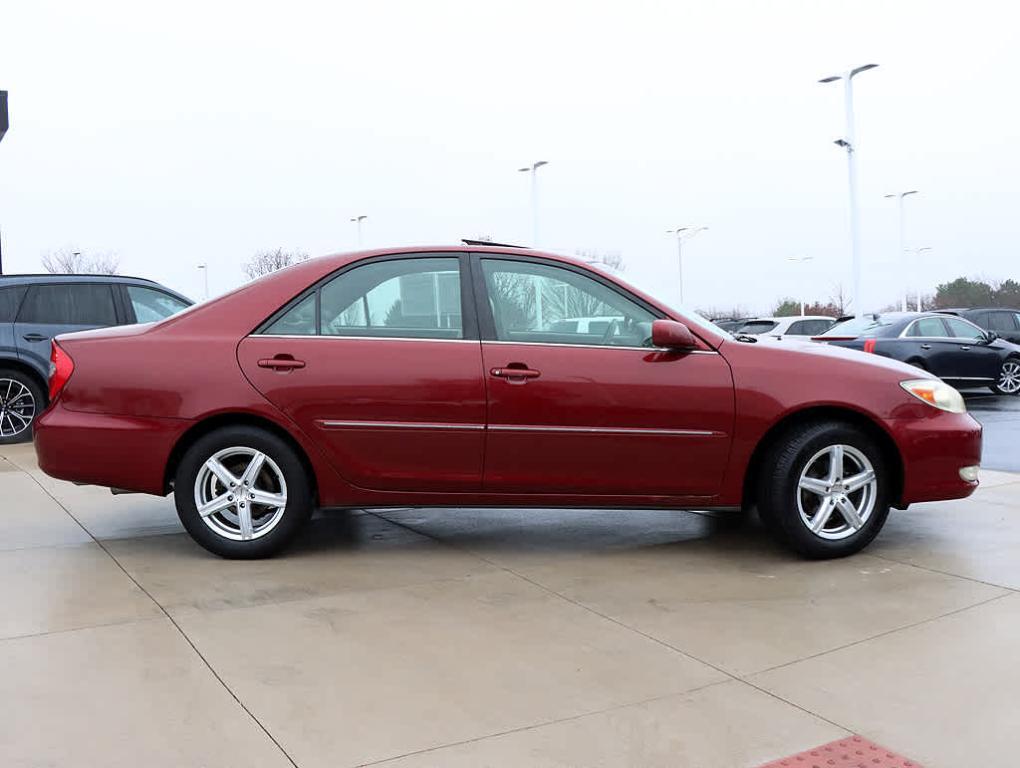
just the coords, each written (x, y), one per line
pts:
(853, 752)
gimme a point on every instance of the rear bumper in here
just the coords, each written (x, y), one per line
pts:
(933, 451)
(126, 452)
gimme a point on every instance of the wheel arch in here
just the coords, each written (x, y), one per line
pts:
(823, 413)
(12, 364)
(233, 419)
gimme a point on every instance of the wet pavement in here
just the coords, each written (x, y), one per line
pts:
(469, 637)
(1000, 417)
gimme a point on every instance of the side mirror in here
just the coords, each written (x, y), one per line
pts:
(670, 334)
(990, 336)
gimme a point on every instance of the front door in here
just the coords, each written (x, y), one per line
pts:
(579, 403)
(974, 358)
(381, 366)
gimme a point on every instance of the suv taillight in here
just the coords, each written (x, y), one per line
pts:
(61, 368)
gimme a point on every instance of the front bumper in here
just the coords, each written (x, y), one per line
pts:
(933, 452)
(128, 452)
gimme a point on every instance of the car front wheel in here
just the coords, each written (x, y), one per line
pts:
(823, 489)
(242, 492)
(1009, 378)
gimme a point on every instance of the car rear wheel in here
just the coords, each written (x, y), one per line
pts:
(242, 492)
(823, 490)
(21, 400)
(1009, 378)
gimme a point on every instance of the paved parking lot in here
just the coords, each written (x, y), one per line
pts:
(1000, 417)
(499, 638)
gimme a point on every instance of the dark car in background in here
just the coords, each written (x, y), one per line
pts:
(952, 348)
(35, 308)
(1005, 322)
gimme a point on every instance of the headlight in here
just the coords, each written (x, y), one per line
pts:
(936, 393)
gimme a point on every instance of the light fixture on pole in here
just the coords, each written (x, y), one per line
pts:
(903, 247)
(849, 143)
(205, 275)
(683, 234)
(357, 220)
(533, 170)
(917, 254)
(800, 260)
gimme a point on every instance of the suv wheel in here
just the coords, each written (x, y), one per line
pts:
(1009, 378)
(824, 490)
(242, 492)
(21, 400)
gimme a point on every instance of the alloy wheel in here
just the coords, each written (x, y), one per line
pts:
(836, 492)
(240, 493)
(17, 408)
(1009, 377)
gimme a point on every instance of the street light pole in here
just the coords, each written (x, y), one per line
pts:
(800, 260)
(680, 238)
(903, 247)
(917, 253)
(357, 220)
(849, 143)
(205, 274)
(533, 170)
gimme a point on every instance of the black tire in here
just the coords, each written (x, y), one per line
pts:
(779, 495)
(10, 422)
(918, 364)
(996, 388)
(281, 457)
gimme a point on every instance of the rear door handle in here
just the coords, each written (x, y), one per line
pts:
(926, 346)
(35, 337)
(965, 348)
(281, 363)
(515, 375)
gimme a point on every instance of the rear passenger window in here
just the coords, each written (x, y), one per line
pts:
(69, 304)
(1003, 322)
(9, 300)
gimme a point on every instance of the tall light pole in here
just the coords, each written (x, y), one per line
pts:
(917, 254)
(683, 234)
(903, 247)
(357, 220)
(849, 143)
(205, 275)
(533, 170)
(800, 260)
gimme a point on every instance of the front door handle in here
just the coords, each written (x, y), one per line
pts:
(281, 363)
(35, 337)
(965, 348)
(926, 346)
(515, 373)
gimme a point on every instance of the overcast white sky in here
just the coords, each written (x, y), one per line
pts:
(203, 132)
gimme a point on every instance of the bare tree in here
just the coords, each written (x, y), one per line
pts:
(839, 300)
(74, 262)
(265, 262)
(611, 259)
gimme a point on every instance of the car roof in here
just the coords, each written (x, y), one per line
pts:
(46, 277)
(960, 310)
(791, 318)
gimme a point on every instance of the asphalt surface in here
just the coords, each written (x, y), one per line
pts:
(1000, 417)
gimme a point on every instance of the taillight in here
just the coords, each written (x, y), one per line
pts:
(61, 368)
(869, 345)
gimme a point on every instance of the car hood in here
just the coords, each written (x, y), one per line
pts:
(798, 350)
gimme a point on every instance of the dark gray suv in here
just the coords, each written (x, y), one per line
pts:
(35, 308)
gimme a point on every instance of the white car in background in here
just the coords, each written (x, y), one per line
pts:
(797, 325)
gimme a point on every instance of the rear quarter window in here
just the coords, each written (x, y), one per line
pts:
(10, 298)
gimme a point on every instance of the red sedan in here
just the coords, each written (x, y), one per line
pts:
(471, 376)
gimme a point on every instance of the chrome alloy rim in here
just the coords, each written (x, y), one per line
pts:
(836, 492)
(240, 493)
(17, 408)
(1009, 377)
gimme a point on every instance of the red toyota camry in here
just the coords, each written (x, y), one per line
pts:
(471, 376)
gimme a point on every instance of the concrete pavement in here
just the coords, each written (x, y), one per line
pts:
(499, 638)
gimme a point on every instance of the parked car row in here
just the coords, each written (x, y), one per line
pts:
(36, 308)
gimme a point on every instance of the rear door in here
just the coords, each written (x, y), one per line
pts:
(50, 309)
(10, 299)
(380, 364)
(593, 410)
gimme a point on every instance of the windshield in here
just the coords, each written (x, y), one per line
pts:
(868, 325)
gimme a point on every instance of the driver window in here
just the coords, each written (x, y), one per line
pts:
(961, 329)
(537, 303)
